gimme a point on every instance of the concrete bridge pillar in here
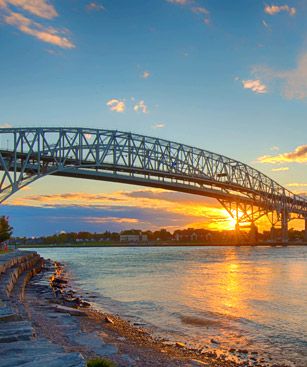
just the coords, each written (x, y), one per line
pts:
(272, 234)
(284, 227)
(253, 234)
(237, 233)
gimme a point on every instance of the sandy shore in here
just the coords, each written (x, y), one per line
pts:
(66, 319)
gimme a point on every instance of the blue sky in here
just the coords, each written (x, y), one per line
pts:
(227, 76)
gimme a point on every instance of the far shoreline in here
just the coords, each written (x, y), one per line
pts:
(162, 244)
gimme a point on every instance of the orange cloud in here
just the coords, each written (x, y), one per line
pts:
(73, 198)
(5, 126)
(25, 188)
(40, 8)
(101, 220)
(33, 28)
(88, 136)
(299, 155)
(116, 105)
(297, 184)
(255, 85)
(275, 9)
(144, 206)
(280, 169)
(204, 211)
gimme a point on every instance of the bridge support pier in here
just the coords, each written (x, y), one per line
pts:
(253, 234)
(237, 233)
(284, 227)
(272, 234)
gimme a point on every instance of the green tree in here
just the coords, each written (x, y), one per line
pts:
(5, 229)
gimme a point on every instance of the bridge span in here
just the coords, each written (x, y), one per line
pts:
(27, 154)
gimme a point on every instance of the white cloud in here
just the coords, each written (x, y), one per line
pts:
(255, 85)
(194, 8)
(179, 2)
(266, 25)
(116, 105)
(145, 74)
(275, 9)
(200, 10)
(293, 81)
(5, 126)
(93, 6)
(140, 106)
(158, 125)
(274, 148)
(206, 21)
(203, 11)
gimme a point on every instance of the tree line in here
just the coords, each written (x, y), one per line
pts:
(6, 229)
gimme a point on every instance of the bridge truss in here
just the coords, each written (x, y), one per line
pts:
(27, 154)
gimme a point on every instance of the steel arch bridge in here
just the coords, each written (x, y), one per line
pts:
(27, 154)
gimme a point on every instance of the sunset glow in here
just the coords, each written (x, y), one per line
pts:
(183, 210)
(153, 183)
(183, 71)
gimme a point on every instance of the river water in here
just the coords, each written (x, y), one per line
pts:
(251, 298)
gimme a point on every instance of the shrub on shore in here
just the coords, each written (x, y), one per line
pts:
(100, 362)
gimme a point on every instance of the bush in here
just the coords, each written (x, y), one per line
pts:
(100, 362)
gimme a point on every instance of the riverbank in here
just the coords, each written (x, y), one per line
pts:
(59, 321)
(102, 334)
(19, 343)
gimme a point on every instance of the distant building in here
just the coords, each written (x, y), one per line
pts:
(192, 235)
(133, 238)
(178, 236)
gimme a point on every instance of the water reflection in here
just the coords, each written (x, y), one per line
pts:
(246, 297)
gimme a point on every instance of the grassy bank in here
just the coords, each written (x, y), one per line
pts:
(4, 251)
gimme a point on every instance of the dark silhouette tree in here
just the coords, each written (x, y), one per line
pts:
(5, 229)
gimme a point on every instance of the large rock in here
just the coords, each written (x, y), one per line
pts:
(70, 310)
(16, 330)
(18, 344)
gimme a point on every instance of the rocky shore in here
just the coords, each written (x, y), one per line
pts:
(48, 324)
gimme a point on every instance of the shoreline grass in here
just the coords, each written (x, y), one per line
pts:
(100, 362)
(2, 252)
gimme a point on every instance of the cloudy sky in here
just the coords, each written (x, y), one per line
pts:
(226, 76)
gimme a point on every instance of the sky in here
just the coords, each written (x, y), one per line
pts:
(225, 76)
